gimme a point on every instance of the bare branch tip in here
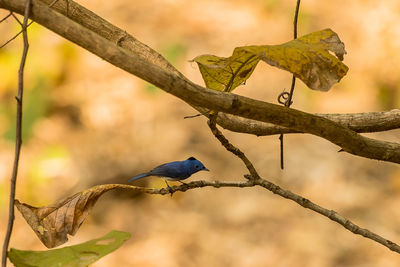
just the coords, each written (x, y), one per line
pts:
(192, 116)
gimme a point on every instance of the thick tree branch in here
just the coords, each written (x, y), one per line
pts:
(367, 122)
(358, 122)
(196, 95)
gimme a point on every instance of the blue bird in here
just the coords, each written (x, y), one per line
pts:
(174, 171)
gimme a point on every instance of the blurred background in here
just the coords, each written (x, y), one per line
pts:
(87, 122)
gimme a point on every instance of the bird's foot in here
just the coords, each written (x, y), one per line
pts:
(169, 189)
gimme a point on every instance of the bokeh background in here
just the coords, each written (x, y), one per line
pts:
(87, 122)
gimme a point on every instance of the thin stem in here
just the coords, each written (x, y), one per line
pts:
(16, 18)
(281, 149)
(15, 36)
(296, 16)
(288, 102)
(18, 140)
(197, 115)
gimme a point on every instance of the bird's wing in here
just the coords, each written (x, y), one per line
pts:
(172, 170)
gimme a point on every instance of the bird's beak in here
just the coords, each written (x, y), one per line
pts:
(205, 169)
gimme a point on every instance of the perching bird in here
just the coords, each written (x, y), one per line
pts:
(174, 171)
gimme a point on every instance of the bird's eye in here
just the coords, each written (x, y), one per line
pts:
(197, 166)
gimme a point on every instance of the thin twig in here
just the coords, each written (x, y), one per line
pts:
(193, 185)
(15, 36)
(288, 102)
(197, 115)
(331, 214)
(231, 148)
(192, 116)
(6, 17)
(16, 18)
(18, 137)
(29, 24)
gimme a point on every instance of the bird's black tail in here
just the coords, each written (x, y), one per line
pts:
(137, 177)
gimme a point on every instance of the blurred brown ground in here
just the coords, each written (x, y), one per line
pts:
(88, 123)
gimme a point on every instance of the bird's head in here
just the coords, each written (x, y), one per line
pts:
(195, 165)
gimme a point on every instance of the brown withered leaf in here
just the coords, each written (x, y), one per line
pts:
(53, 223)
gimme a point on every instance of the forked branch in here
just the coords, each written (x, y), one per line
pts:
(255, 179)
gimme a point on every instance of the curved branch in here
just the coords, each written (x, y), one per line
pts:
(177, 85)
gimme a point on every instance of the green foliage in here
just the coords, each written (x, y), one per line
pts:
(388, 95)
(49, 162)
(36, 105)
(173, 52)
(309, 58)
(41, 75)
(78, 255)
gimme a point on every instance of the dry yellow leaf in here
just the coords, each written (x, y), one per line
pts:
(315, 58)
